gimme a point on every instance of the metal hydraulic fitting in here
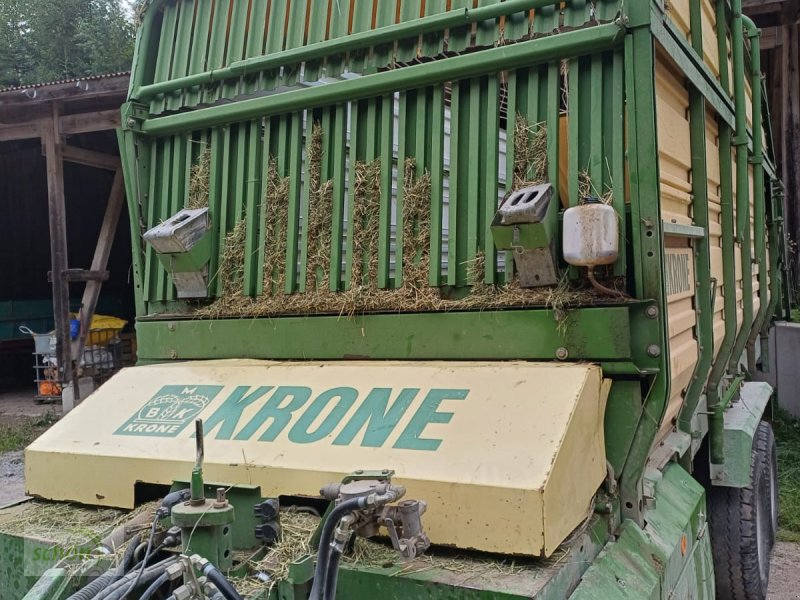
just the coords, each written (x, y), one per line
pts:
(175, 571)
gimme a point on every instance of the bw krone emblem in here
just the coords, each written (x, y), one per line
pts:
(169, 412)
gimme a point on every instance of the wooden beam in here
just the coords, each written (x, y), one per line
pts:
(23, 131)
(81, 275)
(58, 247)
(90, 158)
(90, 122)
(771, 38)
(102, 251)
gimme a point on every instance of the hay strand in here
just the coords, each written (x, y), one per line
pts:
(199, 181)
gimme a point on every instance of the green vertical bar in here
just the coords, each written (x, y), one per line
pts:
(274, 41)
(294, 38)
(545, 19)
(177, 191)
(437, 184)
(197, 60)
(253, 185)
(136, 160)
(405, 124)
(552, 117)
(574, 132)
(617, 154)
(649, 257)
(517, 25)
(150, 218)
(455, 187)
(224, 207)
(339, 27)
(409, 10)
(295, 166)
(473, 191)
(356, 155)
(487, 32)
(304, 249)
(596, 155)
(240, 183)
(339, 159)
(258, 23)
(387, 162)
(704, 329)
(459, 37)
(576, 13)
(511, 118)
(162, 281)
(181, 50)
(385, 15)
(433, 43)
(216, 186)
(164, 56)
(236, 42)
(633, 170)
(491, 165)
(532, 107)
(318, 19)
(216, 48)
(266, 157)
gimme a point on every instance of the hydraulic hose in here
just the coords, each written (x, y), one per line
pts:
(333, 574)
(323, 555)
(121, 588)
(98, 585)
(162, 580)
(224, 586)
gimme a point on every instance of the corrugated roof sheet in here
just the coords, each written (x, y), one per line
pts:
(63, 81)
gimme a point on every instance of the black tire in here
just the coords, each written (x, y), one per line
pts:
(765, 439)
(740, 521)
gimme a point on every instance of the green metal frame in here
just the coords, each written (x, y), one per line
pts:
(616, 51)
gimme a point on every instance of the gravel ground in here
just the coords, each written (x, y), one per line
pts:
(784, 578)
(12, 477)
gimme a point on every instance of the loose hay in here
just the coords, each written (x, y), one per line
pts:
(65, 524)
(530, 153)
(199, 181)
(412, 292)
(299, 528)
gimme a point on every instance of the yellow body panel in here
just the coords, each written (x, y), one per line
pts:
(507, 455)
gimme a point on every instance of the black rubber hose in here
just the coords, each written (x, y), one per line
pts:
(127, 558)
(333, 575)
(157, 585)
(122, 586)
(224, 586)
(323, 554)
(90, 590)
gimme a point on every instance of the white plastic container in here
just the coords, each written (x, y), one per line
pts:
(591, 234)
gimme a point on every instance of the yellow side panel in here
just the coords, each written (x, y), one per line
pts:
(710, 47)
(674, 143)
(508, 456)
(679, 12)
(715, 225)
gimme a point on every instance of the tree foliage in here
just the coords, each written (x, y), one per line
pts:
(47, 40)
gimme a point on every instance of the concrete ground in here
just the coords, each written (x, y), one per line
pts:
(18, 405)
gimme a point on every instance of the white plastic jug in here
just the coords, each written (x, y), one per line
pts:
(591, 234)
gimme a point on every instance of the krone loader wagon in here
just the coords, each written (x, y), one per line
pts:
(436, 299)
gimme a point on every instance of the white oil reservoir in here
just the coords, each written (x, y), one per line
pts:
(591, 234)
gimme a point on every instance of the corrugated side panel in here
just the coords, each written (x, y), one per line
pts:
(672, 100)
(679, 12)
(715, 225)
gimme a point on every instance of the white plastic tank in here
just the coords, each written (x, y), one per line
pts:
(591, 234)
